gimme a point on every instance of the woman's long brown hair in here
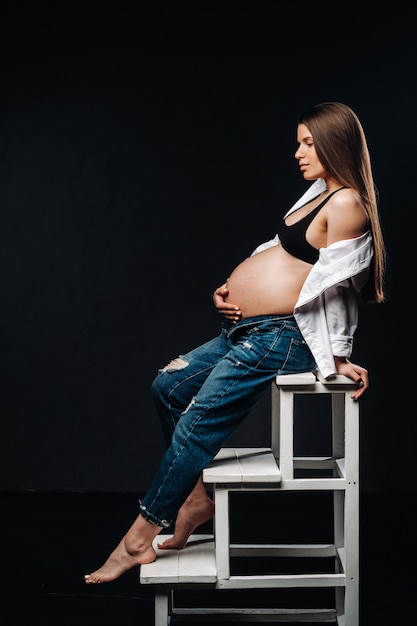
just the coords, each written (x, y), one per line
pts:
(342, 148)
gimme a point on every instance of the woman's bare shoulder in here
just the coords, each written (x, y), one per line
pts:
(346, 216)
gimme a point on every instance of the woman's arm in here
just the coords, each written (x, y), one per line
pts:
(327, 309)
(346, 219)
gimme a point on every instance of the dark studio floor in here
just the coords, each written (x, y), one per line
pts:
(50, 539)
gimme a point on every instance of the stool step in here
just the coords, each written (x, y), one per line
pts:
(195, 564)
(243, 465)
(257, 615)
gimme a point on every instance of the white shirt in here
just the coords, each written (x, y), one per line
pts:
(327, 308)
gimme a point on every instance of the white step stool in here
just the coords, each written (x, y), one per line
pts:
(205, 562)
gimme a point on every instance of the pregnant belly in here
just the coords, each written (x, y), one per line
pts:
(267, 283)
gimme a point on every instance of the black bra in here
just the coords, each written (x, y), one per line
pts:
(293, 237)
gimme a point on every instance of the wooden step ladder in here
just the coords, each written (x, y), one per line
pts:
(206, 561)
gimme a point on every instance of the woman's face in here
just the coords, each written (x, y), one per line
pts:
(306, 155)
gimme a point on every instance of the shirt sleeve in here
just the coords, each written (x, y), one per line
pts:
(327, 308)
(341, 308)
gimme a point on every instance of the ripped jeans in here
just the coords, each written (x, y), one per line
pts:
(204, 395)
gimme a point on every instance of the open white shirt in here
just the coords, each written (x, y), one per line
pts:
(327, 308)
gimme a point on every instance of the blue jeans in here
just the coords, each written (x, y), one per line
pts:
(202, 399)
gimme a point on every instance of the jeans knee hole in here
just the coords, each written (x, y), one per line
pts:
(175, 364)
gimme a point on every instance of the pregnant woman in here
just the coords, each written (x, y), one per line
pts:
(290, 307)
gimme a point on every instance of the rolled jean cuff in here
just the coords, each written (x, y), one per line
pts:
(151, 518)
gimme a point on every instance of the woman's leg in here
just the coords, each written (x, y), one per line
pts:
(196, 510)
(256, 354)
(179, 381)
(135, 548)
(173, 389)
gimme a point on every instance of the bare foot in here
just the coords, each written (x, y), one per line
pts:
(134, 549)
(191, 515)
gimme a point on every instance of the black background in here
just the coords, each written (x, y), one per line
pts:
(145, 151)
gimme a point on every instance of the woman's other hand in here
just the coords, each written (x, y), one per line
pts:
(357, 373)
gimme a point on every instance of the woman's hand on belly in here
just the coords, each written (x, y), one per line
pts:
(230, 311)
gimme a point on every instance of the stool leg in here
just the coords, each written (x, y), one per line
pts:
(339, 542)
(339, 518)
(286, 443)
(275, 419)
(338, 425)
(222, 532)
(352, 512)
(162, 606)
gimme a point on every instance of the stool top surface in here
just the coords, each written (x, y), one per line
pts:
(313, 378)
